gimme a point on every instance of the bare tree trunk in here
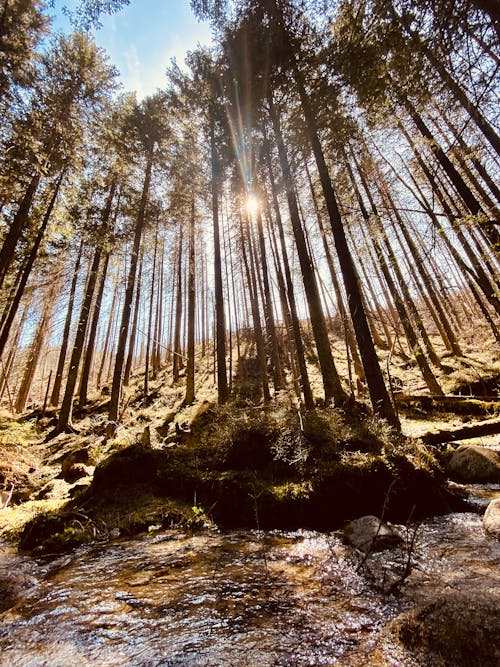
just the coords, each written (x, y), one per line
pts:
(379, 395)
(150, 318)
(6, 368)
(17, 226)
(104, 353)
(331, 380)
(133, 332)
(190, 391)
(297, 335)
(56, 389)
(36, 349)
(349, 333)
(28, 267)
(268, 310)
(397, 271)
(411, 336)
(65, 415)
(89, 354)
(116, 389)
(176, 366)
(220, 323)
(252, 290)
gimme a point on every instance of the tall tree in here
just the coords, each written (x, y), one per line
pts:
(149, 124)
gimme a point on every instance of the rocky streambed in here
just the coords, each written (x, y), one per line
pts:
(262, 598)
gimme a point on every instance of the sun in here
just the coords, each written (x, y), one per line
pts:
(252, 205)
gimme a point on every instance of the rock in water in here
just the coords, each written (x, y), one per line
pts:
(491, 519)
(471, 463)
(456, 629)
(369, 533)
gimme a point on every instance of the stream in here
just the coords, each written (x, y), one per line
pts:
(237, 598)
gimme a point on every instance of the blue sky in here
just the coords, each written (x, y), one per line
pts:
(141, 39)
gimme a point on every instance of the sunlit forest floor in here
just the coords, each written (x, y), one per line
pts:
(161, 423)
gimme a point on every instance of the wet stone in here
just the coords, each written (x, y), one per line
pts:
(369, 533)
(491, 519)
(475, 464)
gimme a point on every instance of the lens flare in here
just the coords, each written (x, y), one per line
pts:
(252, 205)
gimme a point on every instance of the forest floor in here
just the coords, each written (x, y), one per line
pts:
(244, 464)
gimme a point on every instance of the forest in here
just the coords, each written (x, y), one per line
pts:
(265, 297)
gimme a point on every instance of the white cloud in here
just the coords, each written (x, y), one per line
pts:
(145, 75)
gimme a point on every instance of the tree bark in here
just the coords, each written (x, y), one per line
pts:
(190, 389)
(56, 389)
(28, 267)
(379, 395)
(331, 380)
(16, 228)
(116, 389)
(65, 416)
(220, 322)
(89, 354)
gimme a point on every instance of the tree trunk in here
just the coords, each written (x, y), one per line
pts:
(419, 263)
(254, 303)
(36, 349)
(108, 336)
(456, 179)
(133, 333)
(379, 395)
(398, 301)
(89, 354)
(349, 333)
(381, 233)
(331, 381)
(297, 335)
(56, 389)
(65, 415)
(150, 318)
(268, 310)
(28, 267)
(16, 228)
(220, 323)
(176, 365)
(116, 389)
(190, 392)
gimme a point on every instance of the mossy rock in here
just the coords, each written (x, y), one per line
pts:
(130, 466)
(471, 463)
(251, 449)
(56, 533)
(459, 629)
(229, 497)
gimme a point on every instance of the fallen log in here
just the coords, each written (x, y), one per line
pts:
(472, 405)
(480, 429)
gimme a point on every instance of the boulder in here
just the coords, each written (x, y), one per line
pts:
(13, 587)
(491, 519)
(53, 490)
(470, 463)
(456, 628)
(79, 488)
(76, 472)
(369, 533)
(78, 456)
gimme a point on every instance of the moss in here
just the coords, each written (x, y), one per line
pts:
(459, 629)
(249, 468)
(58, 532)
(293, 490)
(14, 519)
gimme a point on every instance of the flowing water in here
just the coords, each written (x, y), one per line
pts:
(238, 598)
